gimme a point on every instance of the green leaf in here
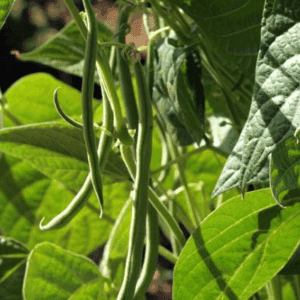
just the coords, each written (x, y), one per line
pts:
(237, 249)
(13, 256)
(229, 28)
(275, 109)
(30, 99)
(26, 196)
(54, 273)
(5, 7)
(57, 150)
(65, 51)
(285, 169)
(180, 103)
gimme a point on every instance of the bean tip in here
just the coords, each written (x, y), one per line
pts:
(41, 225)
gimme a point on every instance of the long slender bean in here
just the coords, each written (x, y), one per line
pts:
(86, 101)
(153, 197)
(83, 195)
(140, 201)
(124, 71)
(151, 255)
(105, 73)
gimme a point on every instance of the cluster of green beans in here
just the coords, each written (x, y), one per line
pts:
(96, 159)
(146, 204)
(140, 201)
(79, 201)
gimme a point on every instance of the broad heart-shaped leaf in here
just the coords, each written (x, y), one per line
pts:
(275, 109)
(26, 196)
(13, 256)
(285, 169)
(229, 28)
(57, 150)
(65, 51)
(54, 273)
(179, 103)
(5, 7)
(237, 249)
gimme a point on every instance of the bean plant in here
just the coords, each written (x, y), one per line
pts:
(199, 144)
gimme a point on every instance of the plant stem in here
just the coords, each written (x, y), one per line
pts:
(153, 197)
(185, 156)
(274, 289)
(297, 285)
(167, 254)
(170, 21)
(193, 209)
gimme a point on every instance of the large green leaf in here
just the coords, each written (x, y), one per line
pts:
(275, 109)
(5, 7)
(57, 150)
(237, 249)
(26, 196)
(54, 273)
(229, 28)
(13, 256)
(30, 99)
(65, 51)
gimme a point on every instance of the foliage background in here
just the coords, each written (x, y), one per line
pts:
(29, 25)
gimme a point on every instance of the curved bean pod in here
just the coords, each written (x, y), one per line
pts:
(63, 114)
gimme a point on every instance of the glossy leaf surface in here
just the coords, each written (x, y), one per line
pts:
(237, 249)
(54, 273)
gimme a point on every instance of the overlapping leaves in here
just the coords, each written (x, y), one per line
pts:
(65, 51)
(229, 28)
(275, 108)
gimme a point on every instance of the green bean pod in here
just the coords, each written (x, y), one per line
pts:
(79, 201)
(140, 201)
(62, 113)
(151, 255)
(86, 101)
(124, 71)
